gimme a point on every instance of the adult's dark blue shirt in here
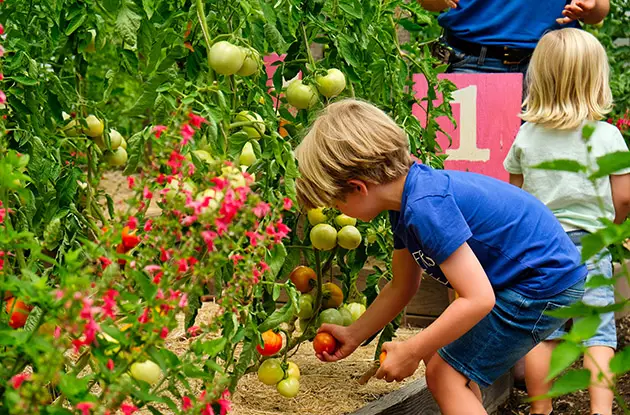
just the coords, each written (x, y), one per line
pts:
(518, 241)
(512, 23)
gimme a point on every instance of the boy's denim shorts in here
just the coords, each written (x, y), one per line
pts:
(514, 326)
(600, 264)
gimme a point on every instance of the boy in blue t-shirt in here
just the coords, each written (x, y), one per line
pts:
(501, 249)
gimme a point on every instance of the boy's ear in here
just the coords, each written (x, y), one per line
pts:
(359, 186)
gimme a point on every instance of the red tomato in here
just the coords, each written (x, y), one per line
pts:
(129, 238)
(272, 343)
(18, 313)
(324, 342)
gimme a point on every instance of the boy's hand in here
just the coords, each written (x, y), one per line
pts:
(399, 364)
(346, 343)
(578, 9)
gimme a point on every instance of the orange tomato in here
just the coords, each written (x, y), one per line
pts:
(333, 296)
(18, 312)
(324, 342)
(272, 343)
(382, 357)
(121, 250)
(304, 278)
(283, 131)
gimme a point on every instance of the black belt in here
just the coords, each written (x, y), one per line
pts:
(509, 56)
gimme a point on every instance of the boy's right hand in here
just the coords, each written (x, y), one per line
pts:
(346, 343)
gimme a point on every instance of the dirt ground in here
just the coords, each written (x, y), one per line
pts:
(576, 403)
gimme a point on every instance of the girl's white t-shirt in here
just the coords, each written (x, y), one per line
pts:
(572, 197)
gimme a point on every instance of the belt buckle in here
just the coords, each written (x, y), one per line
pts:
(506, 54)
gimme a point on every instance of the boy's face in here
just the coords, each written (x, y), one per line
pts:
(359, 203)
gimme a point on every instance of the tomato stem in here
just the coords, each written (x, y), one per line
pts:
(201, 16)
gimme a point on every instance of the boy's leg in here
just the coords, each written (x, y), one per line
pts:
(599, 391)
(450, 389)
(537, 364)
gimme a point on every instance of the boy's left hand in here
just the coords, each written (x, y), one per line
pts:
(399, 364)
(578, 9)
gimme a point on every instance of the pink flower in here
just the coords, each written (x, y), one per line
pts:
(224, 402)
(183, 302)
(186, 402)
(128, 409)
(1, 51)
(287, 203)
(254, 237)
(131, 182)
(207, 410)
(148, 226)
(1, 29)
(263, 266)
(146, 193)
(160, 294)
(158, 130)
(208, 238)
(187, 133)
(85, 407)
(110, 364)
(182, 265)
(195, 120)
(1, 77)
(188, 220)
(105, 262)
(144, 318)
(194, 331)
(261, 209)
(164, 333)
(17, 380)
(57, 332)
(236, 258)
(132, 222)
(3, 97)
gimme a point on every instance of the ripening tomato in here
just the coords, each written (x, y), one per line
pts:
(304, 278)
(270, 372)
(288, 387)
(324, 342)
(333, 296)
(18, 312)
(382, 357)
(129, 238)
(272, 343)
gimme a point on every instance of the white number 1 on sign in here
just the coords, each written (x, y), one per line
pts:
(468, 150)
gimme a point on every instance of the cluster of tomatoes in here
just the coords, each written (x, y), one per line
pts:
(115, 154)
(284, 375)
(325, 237)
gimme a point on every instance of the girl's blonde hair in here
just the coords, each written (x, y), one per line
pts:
(350, 139)
(567, 80)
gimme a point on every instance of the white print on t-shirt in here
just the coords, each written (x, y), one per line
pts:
(428, 264)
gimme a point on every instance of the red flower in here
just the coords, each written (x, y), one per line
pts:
(128, 409)
(17, 380)
(85, 407)
(164, 333)
(195, 120)
(158, 130)
(131, 182)
(187, 133)
(144, 318)
(186, 402)
(194, 331)
(110, 364)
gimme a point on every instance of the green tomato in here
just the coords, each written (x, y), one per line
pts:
(147, 371)
(288, 387)
(316, 216)
(323, 237)
(345, 220)
(251, 64)
(270, 372)
(94, 126)
(247, 157)
(226, 58)
(254, 131)
(346, 315)
(332, 84)
(293, 370)
(117, 157)
(116, 139)
(123, 143)
(356, 309)
(305, 306)
(330, 316)
(349, 237)
(203, 155)
(300, 95)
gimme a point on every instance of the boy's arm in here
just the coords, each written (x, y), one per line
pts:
(476, 300)
(387, 305)
(620, 185)
(438, 5)
(516, 180)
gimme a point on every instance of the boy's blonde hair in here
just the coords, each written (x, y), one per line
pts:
(350, 139)
(567, 80)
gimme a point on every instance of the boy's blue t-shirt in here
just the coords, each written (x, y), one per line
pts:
(514, 23)
(516, 238)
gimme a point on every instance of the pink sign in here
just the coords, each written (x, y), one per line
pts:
(486, 108)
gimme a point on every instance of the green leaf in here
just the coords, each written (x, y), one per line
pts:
(149, 94)
(352, 8)
(620, 364)
(562, 357)
(149, 6)
(74, 387)
(587, 131)
(214, 347)
(194, 305)
(236, 142)
(127, 25)
(570, 382)
(410, 25)
(75, 23)
(282, 315)
(275, 259)
(32, 322)
(275, 39)
(67, 187)
(346, 50)
(244, 359)
(24, 80)
(612, 163)
(135, 150)
(597, 281)
(562, 165)
(584, 328)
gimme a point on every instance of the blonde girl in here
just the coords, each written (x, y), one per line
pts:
(568, 89)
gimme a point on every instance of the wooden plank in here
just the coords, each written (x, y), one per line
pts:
(416, 399)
